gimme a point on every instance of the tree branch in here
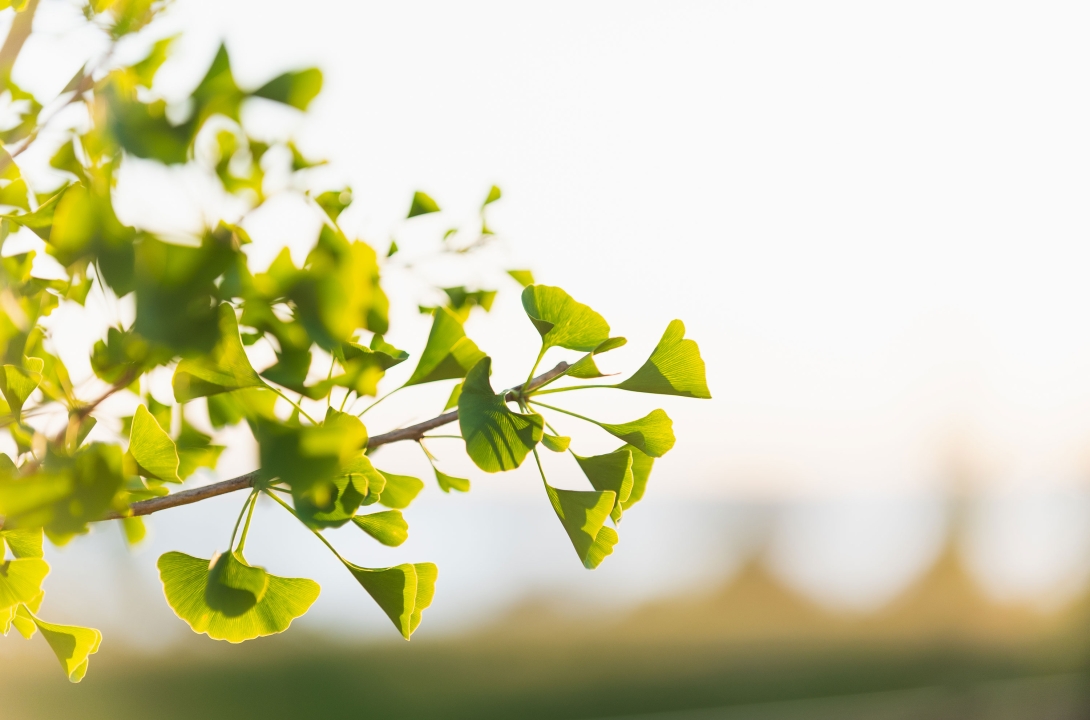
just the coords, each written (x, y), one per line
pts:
(17, 35)
(413, 432)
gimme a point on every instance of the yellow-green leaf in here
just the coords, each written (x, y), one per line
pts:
(556, 443)
(422, 205)
(72, 645)
(612, 471)
(388, 527)
(561, 321)
(583, 514)
(448, 354)
(653, 434)
(155, 453)
(497, 438)
(229, 600)
(226, 368)
(21, 580)
(23, 542)
(400, 490)
(674, 368)
(586, 368)
(402, 591)
(522, 277)
(449, 482)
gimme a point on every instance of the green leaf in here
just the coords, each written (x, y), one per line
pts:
(333, 503)
(561, 321)
(195, 449)
(296, 88)
(653, 434)
(309, 457)
(449, 354)
(334, 202)
(583, 514)
(388, 526)
(229, 600)
(449, 482)
(72, 645)
(400, 490)
(556, 443)
(522, 277)
(23, 542)
(365, 366)
(155, 453)
(17, 383)
(494, 194)
(422, 205)
(641, 472)
(497, 438)
(21, 580)
(586, 368)
(452, 401)
(226, 368)
(134, 529)
(674, 368)
(612, 471)
(402, 591)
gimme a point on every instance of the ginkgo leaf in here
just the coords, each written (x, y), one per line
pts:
(556, 443)
(586, 368)
(307, 456)
(72, 645)
(388, 527)
(449, 482)
(226, 368)
(365, 366)
(674, 368)
(448, 354)
(17, 383)
(422, 205)
(561, 321)
(494, 194)
(295, 88)
(22, 618)
(400, 490)
(583, 514)
(641, 472)
(21, 580)
(653, 434)
(402, 591)
(497, 438)
(155, 453)
(23, 542)
(612, 471)
(452, 401)
(229, 600)
(195, 450)
(355, 483)
(134, 530)
(522, 277)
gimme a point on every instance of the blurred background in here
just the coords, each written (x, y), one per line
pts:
(873, 219)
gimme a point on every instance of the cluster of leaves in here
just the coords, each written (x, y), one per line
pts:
(199, 307)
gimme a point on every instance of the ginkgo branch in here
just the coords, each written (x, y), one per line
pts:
(413, 432)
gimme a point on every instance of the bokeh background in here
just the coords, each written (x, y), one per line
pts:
(873, 219)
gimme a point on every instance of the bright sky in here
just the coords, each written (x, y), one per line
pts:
(871, 216)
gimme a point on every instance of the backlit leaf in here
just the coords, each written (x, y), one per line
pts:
(154, 452)
(448, 354)
(229, 600)
(497, 438)
(653, 434)
(583, 514)
(388, 527)
(641, 472)
(21, 580)
(17, 383)
(494, 194)
(586, 368)
(400, 490)
(612, 471)
(422, 205)
(72, 645)
(522, 277)
(674, 368)
(226, 368)
(402, 591)
(561, 321)
(23, 542)
(449, 482)
(295, 88)
(556, 443)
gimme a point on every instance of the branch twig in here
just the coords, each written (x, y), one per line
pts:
(413, 432)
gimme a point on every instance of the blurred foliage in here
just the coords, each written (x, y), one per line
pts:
(200, 310)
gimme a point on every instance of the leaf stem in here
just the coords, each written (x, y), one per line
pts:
(566, 412)
(329, 397)
(318, 534)
(245, 506)
(536, 363)
(376, 402)
(571, 387)
(249, 517)
(293, 404)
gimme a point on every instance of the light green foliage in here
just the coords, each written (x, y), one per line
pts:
(403, 591)
(155, 454)
(388, 526)
(291, 350)
(227, 599)
(449, 354)
(561, 321)
(674, 368)
(497, 438)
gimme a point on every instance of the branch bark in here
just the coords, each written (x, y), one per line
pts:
(242, 482)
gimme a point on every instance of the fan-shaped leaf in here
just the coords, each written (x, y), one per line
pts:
(296, 88)
(612, 471)
(452, 401)
(21, 580)
(583, 514)
(653, 434)
(17, 383)
(494, 194)
(333, 503)
(226, 368)
(72, 645)
(522, 277)
(561, 321)
(449, 482)
(195, 449)
(586, 368)
(448, 353)
(497, 438)
(402, 591)
(388, 527)
(422, 205)
(674, 368)
(155, 453)
(365, 366)
(400, 490)
(641, 472)
(229, 600)
(556, 443)
(23, 542)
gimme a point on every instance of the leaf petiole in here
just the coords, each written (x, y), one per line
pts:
(376, 402)
(245, 506)
(571, 387)
(566, 412)
(293, 404)
(249, 517)
(316, 533)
